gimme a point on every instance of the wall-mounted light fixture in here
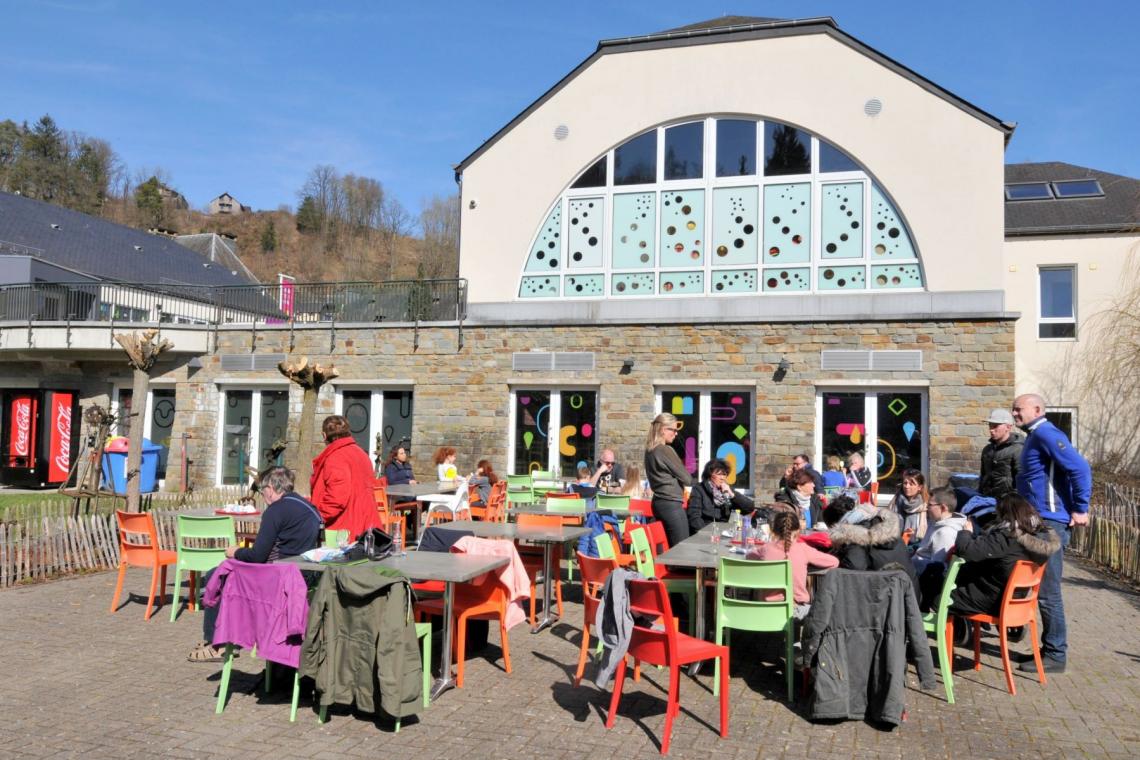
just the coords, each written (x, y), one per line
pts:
(781, 369)
(626, 366)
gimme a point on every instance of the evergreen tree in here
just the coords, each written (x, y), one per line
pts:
(148, 200)
(308, 216)
(269, 238)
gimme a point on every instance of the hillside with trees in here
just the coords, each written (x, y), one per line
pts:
(346, 227)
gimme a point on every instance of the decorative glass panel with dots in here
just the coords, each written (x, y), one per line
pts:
(842, 278)
(842, 212)
(632, 284)
(733, 281)
(735, 216)
(682, 227)
(635, 217)
(584, 235)
(896, 276)
(787, 223)
(539, 287)
(545, 255)
(777, 280)
(585, 285)
(682, 283)
(889, 239)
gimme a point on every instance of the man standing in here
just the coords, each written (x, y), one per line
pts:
(1058, 482)
(610, 476)
(1001, 456)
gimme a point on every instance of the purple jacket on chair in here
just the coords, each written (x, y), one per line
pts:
(263, 606)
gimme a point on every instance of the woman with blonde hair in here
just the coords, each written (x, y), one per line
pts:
(667, 477)
(633, 487)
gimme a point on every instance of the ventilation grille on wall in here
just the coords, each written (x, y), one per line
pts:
(545, 361)
(864, 361)
(250, 362)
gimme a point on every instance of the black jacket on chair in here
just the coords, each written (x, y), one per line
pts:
(703, 510)
(857, 637)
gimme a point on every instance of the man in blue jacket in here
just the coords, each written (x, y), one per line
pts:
(1057, 480)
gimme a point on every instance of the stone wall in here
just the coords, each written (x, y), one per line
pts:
(462, 395)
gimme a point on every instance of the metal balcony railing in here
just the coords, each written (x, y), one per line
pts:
(337, 302)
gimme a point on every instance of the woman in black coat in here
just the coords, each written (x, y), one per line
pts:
(713, 499)
(874, 543)
(1017, 533)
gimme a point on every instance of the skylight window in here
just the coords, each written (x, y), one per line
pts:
(1078, 188)
(1028, 191)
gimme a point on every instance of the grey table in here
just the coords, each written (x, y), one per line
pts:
(548, 537)
(413, 492)
(432, 566)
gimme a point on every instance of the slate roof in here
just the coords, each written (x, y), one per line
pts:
(101, 249)
(1117, 211)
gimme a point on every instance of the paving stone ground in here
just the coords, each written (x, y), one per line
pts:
(80, 682)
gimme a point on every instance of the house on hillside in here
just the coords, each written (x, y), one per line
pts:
(227, 204)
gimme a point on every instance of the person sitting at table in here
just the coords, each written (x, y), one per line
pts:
(610, 475)
(931, 558)
(444, 460)
(634, 487)
(799, 492)
(866, 537)
(858, 476)
(910, 503)
(833, 476)
(398, 470)
(341, 483)
(785, 544)
(584, 486)
(290, 526)
(483, 478)
(713, 499)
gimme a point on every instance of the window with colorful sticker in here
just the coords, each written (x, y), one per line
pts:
(553, 429)
(713, 424)
(887, 427)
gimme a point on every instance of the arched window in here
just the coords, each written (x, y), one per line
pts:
(721, 206)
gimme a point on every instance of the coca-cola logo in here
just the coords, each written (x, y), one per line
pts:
(22, 444)
(63, 428)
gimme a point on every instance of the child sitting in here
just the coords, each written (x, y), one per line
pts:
(785, 544)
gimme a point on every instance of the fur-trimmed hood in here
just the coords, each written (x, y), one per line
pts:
(1041, 545)
(882, 528)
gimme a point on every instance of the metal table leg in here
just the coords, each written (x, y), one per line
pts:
(547, 618)
(695, 668)
(445, 681)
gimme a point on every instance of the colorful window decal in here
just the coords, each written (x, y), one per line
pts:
(632, 284)
(889, 238)
(547, 250)
(585, 285)
(736, 214)
(635, 220)
(532, 426)
(576, 430)
(787, 223)
(730, 427)
(538, 414)
(896, 276)
(585, 231)
(539, 287)
(686, 408)
(787, 279)
(842, 278)
(679, 283)
(734, 281)
(682, 228)
(842, 215)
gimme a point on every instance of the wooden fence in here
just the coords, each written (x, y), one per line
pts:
(1112, 537)
(44, 539)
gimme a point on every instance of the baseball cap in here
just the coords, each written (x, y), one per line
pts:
(1000, 417)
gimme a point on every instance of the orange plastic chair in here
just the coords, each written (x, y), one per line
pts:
(594, 574)
(642, 507)
(659, 544)
(482, 598)
(391, 521)
(668, 648)
(139, 547)
(623, 559)
(531, 557)
(1017, 609)
(561, 495)
(497, 503)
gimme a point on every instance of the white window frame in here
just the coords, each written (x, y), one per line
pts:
(554, 421)
(254, 424)
(704, 403)
(375, 408)
(871, 395)
(1042, 320)
(1071, 410)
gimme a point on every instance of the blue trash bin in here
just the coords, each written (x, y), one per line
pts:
(115, 469)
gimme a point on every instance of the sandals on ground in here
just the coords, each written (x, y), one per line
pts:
(203, 652)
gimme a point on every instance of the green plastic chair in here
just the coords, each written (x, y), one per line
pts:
(941, 625)
(224, 686)
(756, 615)
(193, 532)
(605, 546)
(331, 539)
(423, 633)
(520, 498)
(613, 502)
(569, 507)
(644, 557)
(544, 479)
(518, 484)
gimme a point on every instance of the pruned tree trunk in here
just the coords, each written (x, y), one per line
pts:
(142, 353)
(310, 377)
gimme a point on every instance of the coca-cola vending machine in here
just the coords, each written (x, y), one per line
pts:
(38, 440)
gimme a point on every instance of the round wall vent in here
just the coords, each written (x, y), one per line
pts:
(873, 107)
(561, 132)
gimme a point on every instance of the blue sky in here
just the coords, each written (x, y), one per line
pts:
(249, 98)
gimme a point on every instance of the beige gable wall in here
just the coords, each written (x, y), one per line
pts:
(942, 166)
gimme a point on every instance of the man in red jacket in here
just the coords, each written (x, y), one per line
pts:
(341, 485)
